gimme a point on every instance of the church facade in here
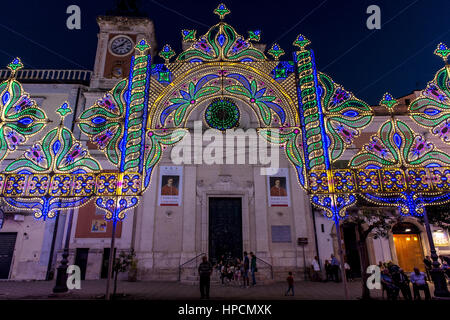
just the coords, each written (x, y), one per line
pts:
(200, 200)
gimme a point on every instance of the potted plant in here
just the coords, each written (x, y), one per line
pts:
(122, 264)
(132, 272)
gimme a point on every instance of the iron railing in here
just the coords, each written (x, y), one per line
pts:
(181, 266)
(267, 264)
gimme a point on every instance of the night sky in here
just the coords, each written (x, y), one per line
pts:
(398, 58)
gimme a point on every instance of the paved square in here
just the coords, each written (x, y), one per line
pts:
(158, 290)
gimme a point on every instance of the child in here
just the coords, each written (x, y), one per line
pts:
(290, 281)
(223, 273)
(237, 273)
(230, 273)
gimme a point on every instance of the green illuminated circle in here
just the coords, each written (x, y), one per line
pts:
(222, 114)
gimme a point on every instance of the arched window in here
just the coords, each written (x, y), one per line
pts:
(405, 228)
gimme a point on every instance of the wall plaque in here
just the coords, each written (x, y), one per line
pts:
(281, 234)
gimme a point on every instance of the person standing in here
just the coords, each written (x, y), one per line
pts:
(348, 271)
(328, 271)
(242, 274)
(428, 265)
(316, 269)
(223, 273)
(388, 285)
(446, 268)
(419, 282)
(401, 280)
(237, 271)
(335, 268)
(245, 279)
(253, 268)
(290, 281)
(204, 270)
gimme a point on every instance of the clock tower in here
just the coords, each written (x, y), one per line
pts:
(116, 40)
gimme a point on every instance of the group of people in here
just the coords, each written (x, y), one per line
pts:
(444, 264)
(237, 271)
(394, 280)
(332, 268)
(231, 271)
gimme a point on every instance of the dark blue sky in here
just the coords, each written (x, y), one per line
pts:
(398, 58)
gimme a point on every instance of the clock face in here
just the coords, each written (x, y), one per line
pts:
(121, 46)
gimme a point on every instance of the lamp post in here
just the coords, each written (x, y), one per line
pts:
(437, 274)
(341, 257)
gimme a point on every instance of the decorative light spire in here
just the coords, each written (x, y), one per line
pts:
(442, 51)
(166, 53)
(276, 51)
(222, 11)
(64, 109)
(301, 42)
(389, 102)
(188, 35)
(254, 35)
(142, 46)
(14, 66)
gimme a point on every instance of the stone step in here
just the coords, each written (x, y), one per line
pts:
(195, 281)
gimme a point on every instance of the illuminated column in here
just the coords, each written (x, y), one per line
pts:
(309, 109)
(313, 129)
(135, 121)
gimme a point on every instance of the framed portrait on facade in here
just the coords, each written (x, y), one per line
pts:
(170, 185)
(98, 226)
(278, 188)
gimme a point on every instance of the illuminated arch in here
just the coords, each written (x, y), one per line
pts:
(216, 76)
(317, 118)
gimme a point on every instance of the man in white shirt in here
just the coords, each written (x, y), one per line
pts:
(419, 282)
(316, 269)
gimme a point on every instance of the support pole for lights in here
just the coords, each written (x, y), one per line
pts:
(341, 257)
(111, 255)
(61, 275)
(338, 235)
(437, 275)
